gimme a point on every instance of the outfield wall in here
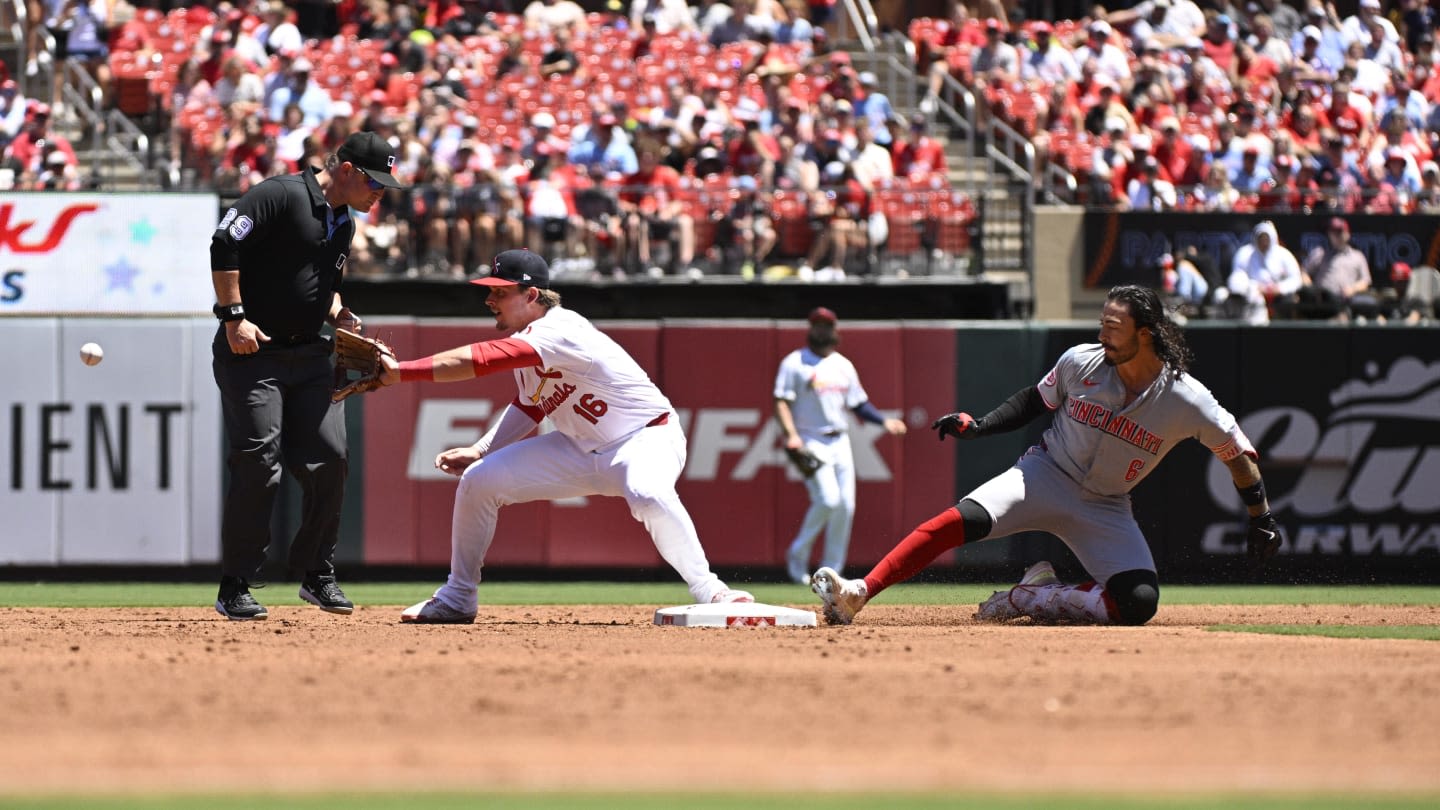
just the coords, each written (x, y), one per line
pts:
(121, 463)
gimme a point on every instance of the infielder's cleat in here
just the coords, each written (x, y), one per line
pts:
(731, 595)
(322, 591)
(997, 608)
(842, 597)
(433, 611)
(235, 602)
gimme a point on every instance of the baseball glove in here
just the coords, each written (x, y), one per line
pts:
(804, 460)
(354, 353)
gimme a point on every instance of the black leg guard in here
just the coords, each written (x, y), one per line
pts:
(977, 520)
(1136, 595)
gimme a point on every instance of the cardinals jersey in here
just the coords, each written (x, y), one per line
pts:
(820, 390)
(1108, 447)
(592, 390)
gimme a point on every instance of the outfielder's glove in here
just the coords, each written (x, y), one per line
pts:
(960, 425)
(1263, 539)
(355, 353)
(804, 460)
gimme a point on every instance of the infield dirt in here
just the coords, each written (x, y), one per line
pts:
(908, 698)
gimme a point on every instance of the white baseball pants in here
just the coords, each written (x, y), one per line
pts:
(832, 505)
(641, 468)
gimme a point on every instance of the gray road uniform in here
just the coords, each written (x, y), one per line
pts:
(1076, 483)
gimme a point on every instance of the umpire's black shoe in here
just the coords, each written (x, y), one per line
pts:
(235, 602)
(322, 591)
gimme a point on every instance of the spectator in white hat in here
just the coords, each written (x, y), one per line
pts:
(1356, 28)
(1110, 60)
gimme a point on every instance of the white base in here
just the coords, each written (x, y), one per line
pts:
(734, 614)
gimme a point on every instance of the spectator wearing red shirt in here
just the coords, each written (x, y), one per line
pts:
(919, 156)
(247, 159)
(1279, 193)
(1303, 127)
(1218, 42)
(1345, 118)
(25, 150)
(1177, 157)
(841, 208)
(654, 209)
(756, 151)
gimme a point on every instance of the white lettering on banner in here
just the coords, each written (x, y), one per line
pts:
(44, 440)
(713, 435)
(1354, 539)
(441, 424)
(1351, 465)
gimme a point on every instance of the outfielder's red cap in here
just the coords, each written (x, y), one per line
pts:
(517, 267)
(823, 315)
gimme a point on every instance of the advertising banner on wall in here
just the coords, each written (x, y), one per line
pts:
(115, 463)
(105, 253)
(1349, 444)
(745, 500)
(1125, 247)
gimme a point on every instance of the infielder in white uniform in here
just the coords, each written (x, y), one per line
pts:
(615, 434)
(1120, 405)
(815, 389)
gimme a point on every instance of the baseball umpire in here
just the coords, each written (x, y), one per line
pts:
(615, 434)
(814, 388)
(1120, 405)
(277, 260)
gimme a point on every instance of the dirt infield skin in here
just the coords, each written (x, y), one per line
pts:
(597, 697)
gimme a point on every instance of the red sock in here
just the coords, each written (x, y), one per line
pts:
(919, 548)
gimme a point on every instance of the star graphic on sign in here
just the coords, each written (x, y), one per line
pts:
(142, 231)
(121, 275)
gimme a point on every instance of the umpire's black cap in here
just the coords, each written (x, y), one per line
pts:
(517, 267)
(372, 155)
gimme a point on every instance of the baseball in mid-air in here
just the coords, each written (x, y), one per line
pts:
(91, 354)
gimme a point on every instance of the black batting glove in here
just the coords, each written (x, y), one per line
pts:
(960, 425)
(1263, 539)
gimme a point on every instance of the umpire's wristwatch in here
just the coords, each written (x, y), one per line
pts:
(229, 312)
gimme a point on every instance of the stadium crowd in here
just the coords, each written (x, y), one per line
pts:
(659, 136)
(666, 137)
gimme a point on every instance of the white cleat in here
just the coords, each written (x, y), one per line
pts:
(999, 608)
(433, 611)
(731, 595)
(842, 597)
(1040, 575)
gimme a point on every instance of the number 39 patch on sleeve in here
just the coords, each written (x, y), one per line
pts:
(241, 228)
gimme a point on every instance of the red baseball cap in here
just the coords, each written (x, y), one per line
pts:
(1400, 272)
(823, 315)
(1338, 224)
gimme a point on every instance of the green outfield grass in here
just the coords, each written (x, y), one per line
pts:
(725, 802)
(143, 594)
(1411, 631)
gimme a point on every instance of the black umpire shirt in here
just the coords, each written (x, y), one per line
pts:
(290, 249)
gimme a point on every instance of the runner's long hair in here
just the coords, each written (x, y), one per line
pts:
(1148, 311)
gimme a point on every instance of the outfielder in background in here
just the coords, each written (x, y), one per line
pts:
(277, 260)
(614, 433)
(816, 389)
(1120, 405)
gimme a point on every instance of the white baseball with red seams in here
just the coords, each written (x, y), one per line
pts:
(614, 433)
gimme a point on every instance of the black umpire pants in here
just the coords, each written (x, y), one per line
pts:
(277, 408)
